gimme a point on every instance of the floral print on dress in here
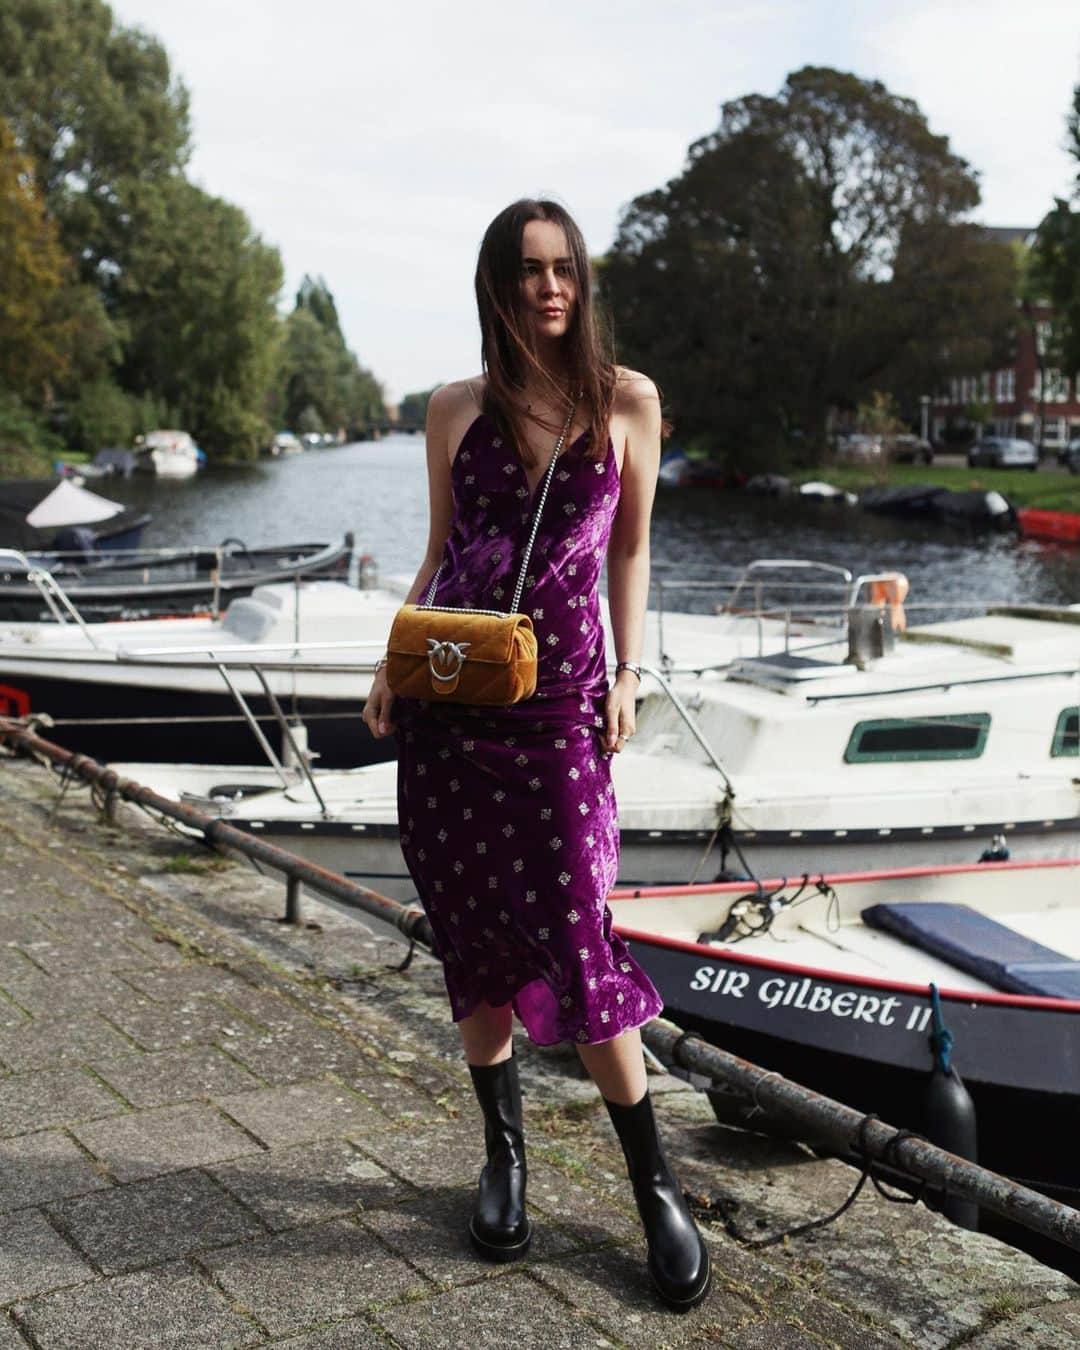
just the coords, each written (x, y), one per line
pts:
(530, 840)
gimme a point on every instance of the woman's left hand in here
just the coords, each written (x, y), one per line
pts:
(620, 712)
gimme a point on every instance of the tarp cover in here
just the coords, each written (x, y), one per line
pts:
(71, 505)
(981, 946)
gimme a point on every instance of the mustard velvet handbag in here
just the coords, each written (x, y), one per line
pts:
(479, 656)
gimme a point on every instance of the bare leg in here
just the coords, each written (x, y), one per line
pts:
(617, 1067)
(485, 1034)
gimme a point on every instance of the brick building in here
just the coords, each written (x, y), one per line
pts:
(1027, 398)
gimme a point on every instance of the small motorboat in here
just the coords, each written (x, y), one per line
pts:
(154, 688)
(148, 583)
(169, 454)
(1061, 527)
(830, 981)
(37, 515)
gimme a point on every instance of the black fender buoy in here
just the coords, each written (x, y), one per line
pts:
(949, 1122)
(949, 1113)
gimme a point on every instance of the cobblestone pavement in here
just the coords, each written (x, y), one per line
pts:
(219, 1130)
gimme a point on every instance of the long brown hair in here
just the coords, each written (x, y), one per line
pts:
(507, 344)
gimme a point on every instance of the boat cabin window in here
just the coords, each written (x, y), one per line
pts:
(1067, 733)
(962, 736)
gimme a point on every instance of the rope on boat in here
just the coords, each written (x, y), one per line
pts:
(941, 1038)
(820, 1117)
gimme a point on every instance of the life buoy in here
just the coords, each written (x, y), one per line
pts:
(891, 589)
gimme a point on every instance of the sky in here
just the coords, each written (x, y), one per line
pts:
(372, 143)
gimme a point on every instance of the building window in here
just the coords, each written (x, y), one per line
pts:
(984, 387)
(1057, 386)
(1067, 733)
(894, 739)
(1005, 385)
(1053, 431)
(1043, 333)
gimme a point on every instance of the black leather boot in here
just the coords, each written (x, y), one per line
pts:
(500, 1228)
(678, 1258)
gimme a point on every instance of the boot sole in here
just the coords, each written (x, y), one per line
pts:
(682, 1305)
(498, 1252)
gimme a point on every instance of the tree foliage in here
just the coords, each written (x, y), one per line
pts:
(413, 407)
(811, 251)
(1056, 261)
(324, 385)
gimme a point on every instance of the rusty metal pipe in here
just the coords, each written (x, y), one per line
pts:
(411, 921)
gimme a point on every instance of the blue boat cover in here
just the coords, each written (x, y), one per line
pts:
(973, 942)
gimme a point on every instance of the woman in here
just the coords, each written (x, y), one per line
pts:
(507, 815)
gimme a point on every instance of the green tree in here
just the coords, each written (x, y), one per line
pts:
(779, 275)
(97, 110)
(413, 407)
(322, 381)
(198, 301)
(35, 331)
(1056, 261)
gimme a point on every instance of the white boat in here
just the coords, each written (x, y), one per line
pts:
(154, 687)
(963, 741)
(170, 454)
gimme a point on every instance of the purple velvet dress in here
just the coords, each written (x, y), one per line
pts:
(507, 815)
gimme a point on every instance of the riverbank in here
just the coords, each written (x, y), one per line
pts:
(1046, 489)
(219, 1129)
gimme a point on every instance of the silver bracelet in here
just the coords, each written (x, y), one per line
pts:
(379, 664)
(631, 666)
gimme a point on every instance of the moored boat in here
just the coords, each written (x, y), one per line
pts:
(829, 981)
(1059, 526)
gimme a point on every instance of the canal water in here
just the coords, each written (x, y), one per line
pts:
(378, 489)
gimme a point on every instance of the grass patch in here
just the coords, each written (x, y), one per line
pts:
(1048, 490)
(184, 863)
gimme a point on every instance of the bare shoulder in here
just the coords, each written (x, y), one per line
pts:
(637, 403)
(457, 398)
(636, 396)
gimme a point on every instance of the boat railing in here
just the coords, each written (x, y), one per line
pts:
(58, 602)
(226, 662)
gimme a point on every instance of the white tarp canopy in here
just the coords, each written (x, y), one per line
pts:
(71, 505)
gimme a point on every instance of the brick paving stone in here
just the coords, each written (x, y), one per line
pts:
(148, 1222)
(35, 1101)
(195, 1021)
(296, 1053)
(13, 965)
(778, 1334)
(179, 983)
(351, 1335)
(169, 1139)
(35, 1257)
(298, 1112)
(311, 1275)
(52, 996)
(432, 1233)
(834, 1325)
(68, 956)
(50, 1045)
(175, 1075)
(615, 1287)
(15, 929)
(446, 1154)
(45, 1166)
(294, 1186)
(584, 1215)
(169, 1308)
(522, 1314)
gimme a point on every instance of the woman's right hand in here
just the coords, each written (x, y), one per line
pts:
(379, 707)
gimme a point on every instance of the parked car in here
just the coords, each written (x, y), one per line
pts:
(1003, 452)
(908, 449)
(1070, 456)
(858, 447)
